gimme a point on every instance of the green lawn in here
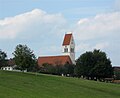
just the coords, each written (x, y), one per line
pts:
(26, 85)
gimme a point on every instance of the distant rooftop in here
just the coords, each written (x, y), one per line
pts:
(67, 39)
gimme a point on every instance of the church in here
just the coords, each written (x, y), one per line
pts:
(68, 53)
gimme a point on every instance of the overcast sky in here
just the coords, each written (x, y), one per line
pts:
(42, 24)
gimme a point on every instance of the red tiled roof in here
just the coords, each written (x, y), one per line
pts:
(67, 39)
(54, 60)
(11, 62)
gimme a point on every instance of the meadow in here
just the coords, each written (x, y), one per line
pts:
(32, 85)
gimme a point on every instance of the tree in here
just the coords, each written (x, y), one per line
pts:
(24, 57)
(58, 69)
(84, 64)
(94, 64)
(3, 57)
(68, 69)
(48, 69)
(102, 67)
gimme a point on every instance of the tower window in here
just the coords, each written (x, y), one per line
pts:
(65, 49)
(72, 50)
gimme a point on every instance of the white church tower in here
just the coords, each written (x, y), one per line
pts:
(68, 46)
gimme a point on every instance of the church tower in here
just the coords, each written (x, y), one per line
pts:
(68, 46)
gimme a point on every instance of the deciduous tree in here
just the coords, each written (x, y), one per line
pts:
(94, 64)
(3, 57)
(24, 57)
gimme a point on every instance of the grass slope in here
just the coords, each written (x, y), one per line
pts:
(24, 85)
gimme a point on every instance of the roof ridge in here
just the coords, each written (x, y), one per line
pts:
(56, 56)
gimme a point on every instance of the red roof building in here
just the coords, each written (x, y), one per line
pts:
(68, 47)
(54, 60)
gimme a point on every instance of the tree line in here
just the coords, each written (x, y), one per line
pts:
(90, 65)
(66, 69)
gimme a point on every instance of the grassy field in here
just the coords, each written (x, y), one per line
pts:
(26, 85)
